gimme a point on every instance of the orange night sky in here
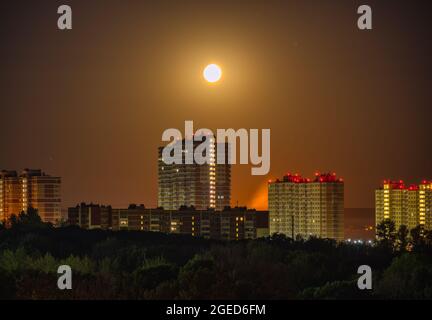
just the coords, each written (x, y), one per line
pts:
(90, 104)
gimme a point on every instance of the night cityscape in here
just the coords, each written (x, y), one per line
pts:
(203, 152)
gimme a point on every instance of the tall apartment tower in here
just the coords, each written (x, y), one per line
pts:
(11, 194)
(200, 185)
(32, 188)
(405, 205)
(307, 207)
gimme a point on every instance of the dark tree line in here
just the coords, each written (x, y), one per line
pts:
(143, 265)
(417, 239)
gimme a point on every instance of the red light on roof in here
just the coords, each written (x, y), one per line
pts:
(400, 181)
(319, 177)
(269, 181)
(334, 173)
(424, 182)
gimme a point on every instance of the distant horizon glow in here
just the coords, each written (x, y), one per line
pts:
(91, 109)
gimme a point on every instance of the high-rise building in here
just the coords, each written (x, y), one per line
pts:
(307, 207)
(202, 186)
(11, 194)
(405, 205)
(32, 188)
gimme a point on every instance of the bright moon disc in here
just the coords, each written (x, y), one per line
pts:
(212, 73)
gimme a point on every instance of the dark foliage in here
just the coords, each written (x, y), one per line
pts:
(139, 265)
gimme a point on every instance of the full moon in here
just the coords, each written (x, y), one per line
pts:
(212, 73)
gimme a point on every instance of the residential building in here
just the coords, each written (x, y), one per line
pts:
(90, 216)
(307, 207)
(405, 205)
(202, 186)
(229, 224)
(32, 188)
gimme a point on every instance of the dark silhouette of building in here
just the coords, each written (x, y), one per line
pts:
(90, 216)
(229, 224)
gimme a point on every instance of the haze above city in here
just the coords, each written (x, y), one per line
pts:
(90, 105)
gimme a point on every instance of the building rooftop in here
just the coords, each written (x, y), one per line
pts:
(400, 185)
(319, 177)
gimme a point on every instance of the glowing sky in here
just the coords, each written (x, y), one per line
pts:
(91, 104)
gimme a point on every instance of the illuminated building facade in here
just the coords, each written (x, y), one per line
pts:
(229, 224)
(307, 207)
(32, 188)
(202, 186)
(405, 205)
(11, 194)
